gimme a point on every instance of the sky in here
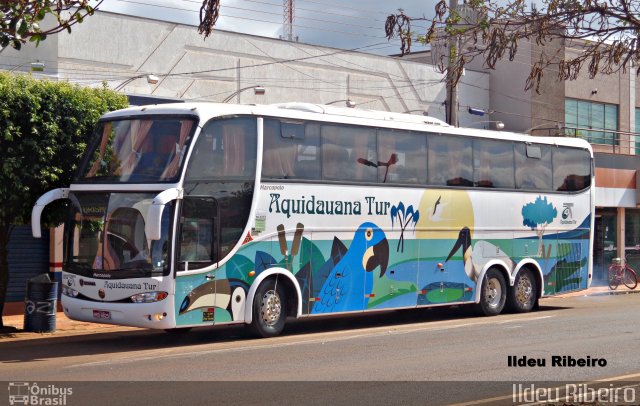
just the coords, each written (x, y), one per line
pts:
(335, 23)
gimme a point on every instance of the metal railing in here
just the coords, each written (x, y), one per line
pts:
(616, 142)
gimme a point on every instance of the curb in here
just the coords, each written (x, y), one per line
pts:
(616, 292)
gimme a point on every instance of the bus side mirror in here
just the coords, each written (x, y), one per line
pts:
(153, 225)
(43, 201)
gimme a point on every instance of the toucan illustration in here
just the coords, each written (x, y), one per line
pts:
(351, 278)
(224, 294)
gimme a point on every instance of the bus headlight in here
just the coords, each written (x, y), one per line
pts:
(67, 291)
(148, 297)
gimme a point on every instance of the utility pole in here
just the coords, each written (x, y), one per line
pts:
(452, 89)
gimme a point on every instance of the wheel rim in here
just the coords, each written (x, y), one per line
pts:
(271, 308)
(630, 280)
(614, 279)
(524, 290)
(493, 292)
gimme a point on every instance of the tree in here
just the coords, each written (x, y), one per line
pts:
(44, 129)
(537, 216)
(209, 13)
(20, 21)
(606, 31)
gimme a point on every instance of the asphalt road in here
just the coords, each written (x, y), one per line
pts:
(354, 360)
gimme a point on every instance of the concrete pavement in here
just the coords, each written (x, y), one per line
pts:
(68, 327)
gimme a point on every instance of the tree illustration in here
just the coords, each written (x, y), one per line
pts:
(538, 215)
(404, 218)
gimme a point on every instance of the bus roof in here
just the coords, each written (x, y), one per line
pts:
(343, 115)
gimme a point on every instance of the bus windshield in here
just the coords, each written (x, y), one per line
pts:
(138, 150)
(105, 234)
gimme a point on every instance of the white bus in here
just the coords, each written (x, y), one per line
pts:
(197, 214)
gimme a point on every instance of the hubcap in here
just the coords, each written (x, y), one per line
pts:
(270, 308)
(524, 290)
(493, 292)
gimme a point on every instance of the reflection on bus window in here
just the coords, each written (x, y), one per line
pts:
(449, 161)
(402, 157)
(106, 232)
(290, 150)
(197, 231)
(124, 243)
(149, 150)
(493, 164)
(349, 153)
(195, 244)
(533, 167)
(225, 149)
(571, 169)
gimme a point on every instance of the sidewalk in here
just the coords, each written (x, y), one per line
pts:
(66, 327)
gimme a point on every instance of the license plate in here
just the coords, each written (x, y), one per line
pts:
(102, 314)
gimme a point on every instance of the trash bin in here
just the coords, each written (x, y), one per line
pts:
(40, 305)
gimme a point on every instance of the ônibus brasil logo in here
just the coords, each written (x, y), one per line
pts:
(32, 394)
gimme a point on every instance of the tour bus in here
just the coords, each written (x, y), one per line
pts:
(194, 214)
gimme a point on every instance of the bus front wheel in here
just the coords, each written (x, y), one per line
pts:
(269, 309)
(493, 293)
(522, 297)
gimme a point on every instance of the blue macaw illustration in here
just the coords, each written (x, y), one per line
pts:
(345, 287)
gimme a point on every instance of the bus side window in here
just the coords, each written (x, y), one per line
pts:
(198, 223)
(493, 164)
(401, 157)
(349, 153)
(571, 169)
(533, 167)
(225, 148)
(290, 150)
(335, 161)
(449, 161)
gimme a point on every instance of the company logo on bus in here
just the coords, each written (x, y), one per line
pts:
(567, 214)
(87, 283)
(101, 293)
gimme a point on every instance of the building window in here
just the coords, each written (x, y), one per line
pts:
(590, 121)
(632, 237)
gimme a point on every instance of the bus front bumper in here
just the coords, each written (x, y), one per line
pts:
(157, 315)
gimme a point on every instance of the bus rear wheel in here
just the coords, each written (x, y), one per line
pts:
(522, 297)
(269, 309)
(493, 293)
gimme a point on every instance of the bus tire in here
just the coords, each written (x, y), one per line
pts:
(493, 293)
(269, 309)
(521, 298)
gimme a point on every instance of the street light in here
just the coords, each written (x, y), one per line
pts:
(549, 125)
(151, 79)
(257, 89)
(425, 111)
(499, 124)
(348, 102)
(35, 66)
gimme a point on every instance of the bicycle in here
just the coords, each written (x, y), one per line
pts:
(619, 273)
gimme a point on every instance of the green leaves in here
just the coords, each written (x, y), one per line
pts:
(19, 20)
(44, 129)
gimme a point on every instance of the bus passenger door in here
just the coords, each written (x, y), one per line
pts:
(203, 297)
